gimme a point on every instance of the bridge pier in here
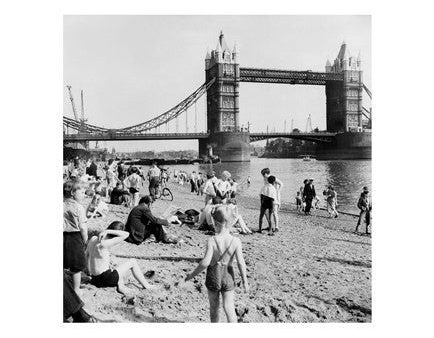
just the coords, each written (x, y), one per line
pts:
(228, 146)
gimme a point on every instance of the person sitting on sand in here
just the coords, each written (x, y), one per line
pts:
(97, 207)
(206, 221)
(74, 231)
(208, 188)
(222, 186)
(120, 195)
(98, 261)
(221, 251)
(142, 223)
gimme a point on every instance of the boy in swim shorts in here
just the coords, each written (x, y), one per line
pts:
(221, 251)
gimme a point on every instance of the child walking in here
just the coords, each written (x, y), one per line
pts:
(221, 251)
(74, 232)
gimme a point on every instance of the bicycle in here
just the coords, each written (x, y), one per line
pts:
(164, 193)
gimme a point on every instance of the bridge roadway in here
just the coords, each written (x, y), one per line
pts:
(323, 137)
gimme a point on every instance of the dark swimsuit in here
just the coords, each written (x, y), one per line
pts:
(220, 275)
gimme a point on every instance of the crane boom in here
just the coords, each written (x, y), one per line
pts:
(72, 103)
(82, 108)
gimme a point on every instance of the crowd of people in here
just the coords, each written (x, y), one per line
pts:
(117, 183)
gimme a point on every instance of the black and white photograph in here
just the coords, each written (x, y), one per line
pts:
(220, 174)
(228, 169)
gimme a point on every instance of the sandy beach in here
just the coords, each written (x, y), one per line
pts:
(314, 270)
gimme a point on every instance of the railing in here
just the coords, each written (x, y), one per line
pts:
(287, 76)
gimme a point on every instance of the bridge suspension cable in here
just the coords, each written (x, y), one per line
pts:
(367, 91)
(161, 119)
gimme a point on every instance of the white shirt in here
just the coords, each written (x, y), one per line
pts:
(133, 181)
(269, 190)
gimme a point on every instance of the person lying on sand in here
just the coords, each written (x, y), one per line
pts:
(220, 253)
(98, 261)
(97, 207)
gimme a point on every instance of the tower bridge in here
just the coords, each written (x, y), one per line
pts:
(346, 135)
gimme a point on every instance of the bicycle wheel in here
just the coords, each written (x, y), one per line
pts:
(166, 194)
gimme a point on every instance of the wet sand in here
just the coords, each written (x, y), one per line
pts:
(314, 270)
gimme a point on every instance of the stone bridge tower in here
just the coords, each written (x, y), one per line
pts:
(226, 138)
(344, 98)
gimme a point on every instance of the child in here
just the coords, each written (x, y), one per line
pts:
(220, 253)
(74, 232)
(276, 203)
(298, 202)
(331, 196)
(98, 261)
(267, 196)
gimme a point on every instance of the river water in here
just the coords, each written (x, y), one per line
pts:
(347, 177)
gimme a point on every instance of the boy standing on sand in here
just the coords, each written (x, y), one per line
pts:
(268, 195)
(74, 232)
(265, 202)
(221, 251)
(298, 201)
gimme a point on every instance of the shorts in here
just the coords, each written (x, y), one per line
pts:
(267, 205)
(298, 202)
(108, 278)
(133, 190)
(74, 257)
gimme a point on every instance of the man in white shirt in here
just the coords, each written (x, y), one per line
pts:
(154, 179)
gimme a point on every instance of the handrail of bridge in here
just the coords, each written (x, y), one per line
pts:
(281, 73)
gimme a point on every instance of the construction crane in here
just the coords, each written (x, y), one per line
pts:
(72, 103)
(83, 120)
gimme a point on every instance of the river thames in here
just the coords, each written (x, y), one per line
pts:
(347, 177)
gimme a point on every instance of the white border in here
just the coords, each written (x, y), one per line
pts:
(31, 151)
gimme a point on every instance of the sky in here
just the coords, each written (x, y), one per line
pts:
(133, 68)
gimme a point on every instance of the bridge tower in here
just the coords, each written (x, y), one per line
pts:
(344, 98)
(226, 138)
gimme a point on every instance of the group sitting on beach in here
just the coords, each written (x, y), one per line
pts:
(93, 256)
(220, 216)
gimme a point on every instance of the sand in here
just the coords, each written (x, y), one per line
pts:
(314, 270)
